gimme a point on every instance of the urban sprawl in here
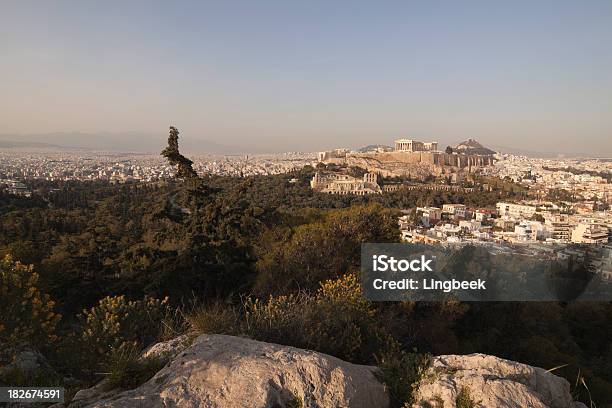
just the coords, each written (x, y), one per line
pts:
(579, 214)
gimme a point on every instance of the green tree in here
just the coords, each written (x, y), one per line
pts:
(175, 158)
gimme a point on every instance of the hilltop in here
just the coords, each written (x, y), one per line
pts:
(472, 146)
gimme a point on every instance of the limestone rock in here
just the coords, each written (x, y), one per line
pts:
(219, 371)
(492, 382)
(168, 349)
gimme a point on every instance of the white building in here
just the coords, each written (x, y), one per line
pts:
(589, 233)
(429, 215)
(458, 210)
(530, 231)
(560, 227)
(516, 210)
(470, 225)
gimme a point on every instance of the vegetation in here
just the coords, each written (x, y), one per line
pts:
(127, 370)
(28, 316)
(401, 372)
(295, 402)
(117, 325)
(95, 269)
(464, 399)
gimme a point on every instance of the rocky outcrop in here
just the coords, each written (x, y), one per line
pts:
(217, 371)
(492, 382)
(224, 371)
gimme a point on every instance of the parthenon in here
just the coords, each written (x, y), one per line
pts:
(409, 145)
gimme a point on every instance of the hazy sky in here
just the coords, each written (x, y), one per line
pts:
(313, 74)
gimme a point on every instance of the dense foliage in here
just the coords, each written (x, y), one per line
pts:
(256, 256)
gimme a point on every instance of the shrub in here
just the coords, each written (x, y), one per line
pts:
(464, 399)
(127, 370)
(295, 402)
(278, 320)
(341, 322)
(28, 316)
(335, 320)
(116, 323)
(401, 374)
(215, 318)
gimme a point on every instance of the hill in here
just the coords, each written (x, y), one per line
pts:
(109, 142)
(472, 146)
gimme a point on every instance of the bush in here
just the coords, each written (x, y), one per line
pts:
(464, 399)
(28, 316)
(278, 320)
(342, 323)
(215, 318)
(335, 320)
(401, 374)
(116, 323)
(127, 370)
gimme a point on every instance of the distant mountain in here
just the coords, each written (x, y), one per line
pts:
(472, 146)
(375, 147)
(110, 142)
(545, 154)
(11, 144)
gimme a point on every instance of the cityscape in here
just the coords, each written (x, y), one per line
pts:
(306, 204)
(579, 214)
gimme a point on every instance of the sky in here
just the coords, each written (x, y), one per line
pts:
(311, 75)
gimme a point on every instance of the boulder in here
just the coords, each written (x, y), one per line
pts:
(219, 371)
(491, 382)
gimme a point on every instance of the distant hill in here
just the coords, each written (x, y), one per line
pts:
(472, 146)
(110, 142)
(375, 147)
(11, 144)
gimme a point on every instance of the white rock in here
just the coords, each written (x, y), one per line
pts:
(219, 371)
(167, 349)
(492, 382)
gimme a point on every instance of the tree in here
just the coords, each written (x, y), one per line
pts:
(449, 150)
(175, 158)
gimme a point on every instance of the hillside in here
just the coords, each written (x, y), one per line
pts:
(472, 146)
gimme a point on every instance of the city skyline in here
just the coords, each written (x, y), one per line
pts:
(286, 77)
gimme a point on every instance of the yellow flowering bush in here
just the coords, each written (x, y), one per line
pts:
(341, 322)
(278, 320)
(27, 316)
(336, 320)
(116, 322)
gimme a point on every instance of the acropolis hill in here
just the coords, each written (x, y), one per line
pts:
(410, 158)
